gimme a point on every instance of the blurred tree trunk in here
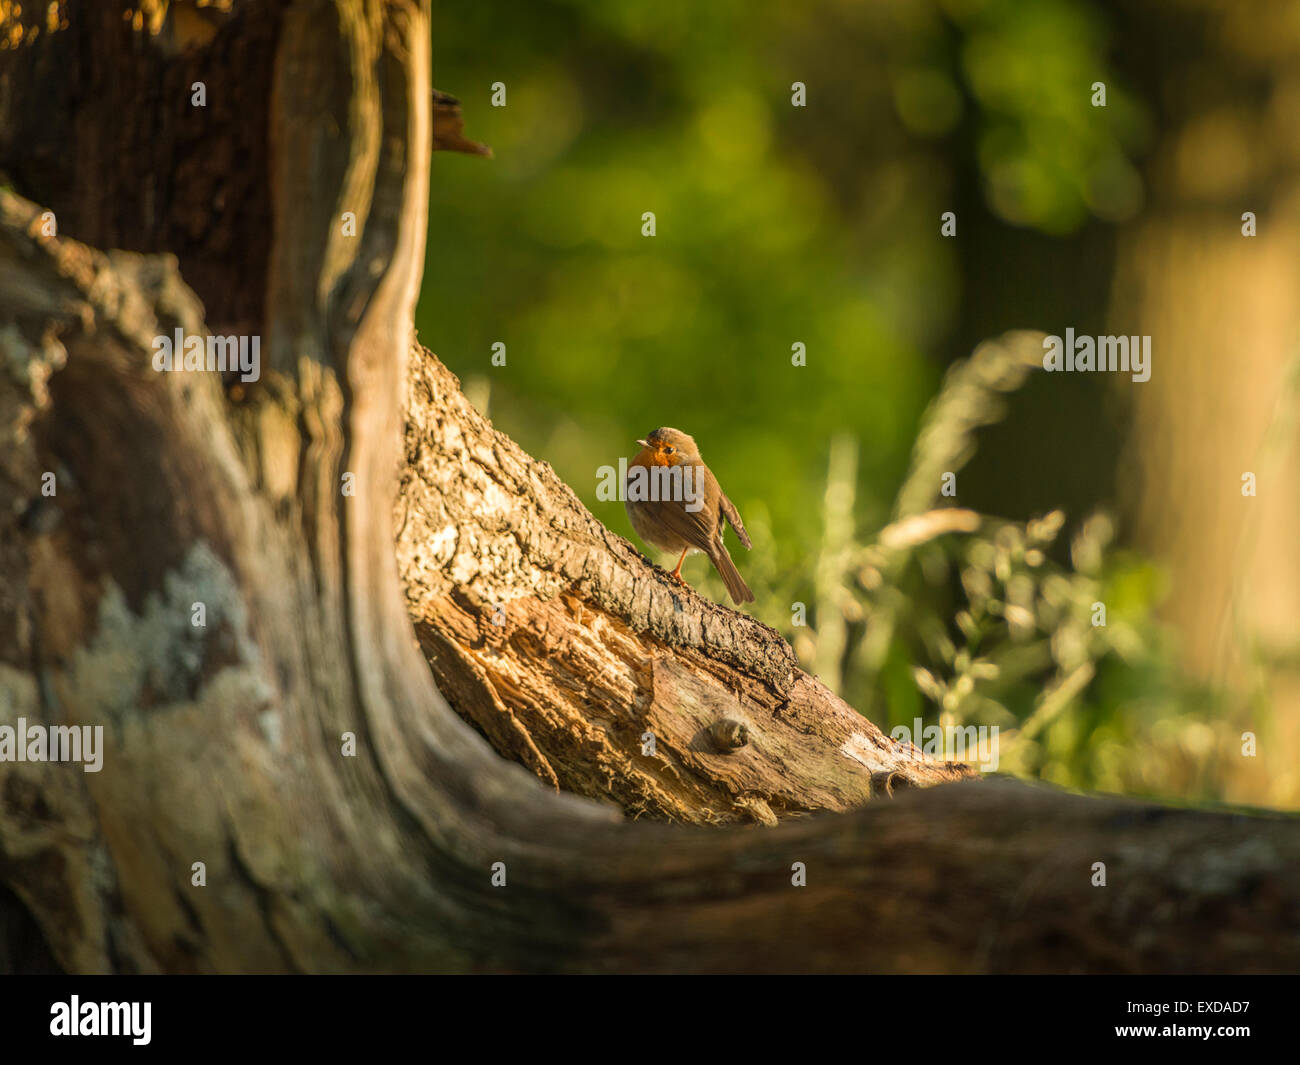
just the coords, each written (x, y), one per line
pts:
(272, 505)
(1223, 312)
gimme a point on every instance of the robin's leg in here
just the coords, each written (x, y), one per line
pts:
(678, 571)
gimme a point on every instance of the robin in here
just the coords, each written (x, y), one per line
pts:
(676, 504)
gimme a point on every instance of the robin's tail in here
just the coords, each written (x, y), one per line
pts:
(731, 577)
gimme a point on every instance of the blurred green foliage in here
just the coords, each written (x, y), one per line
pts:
(776, 225)
(964, 619)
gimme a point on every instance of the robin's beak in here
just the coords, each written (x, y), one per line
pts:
(643, 443)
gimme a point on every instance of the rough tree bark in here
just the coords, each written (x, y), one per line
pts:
(565, 647)
(223, 742)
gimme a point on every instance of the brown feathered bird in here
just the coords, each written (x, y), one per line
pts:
(686, 510)
(449, 127)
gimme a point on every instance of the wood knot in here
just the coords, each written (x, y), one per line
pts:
(728, 734)
(885, 782)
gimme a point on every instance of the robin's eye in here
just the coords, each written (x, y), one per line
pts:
(668, 451)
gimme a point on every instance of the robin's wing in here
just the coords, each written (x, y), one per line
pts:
(732, 515)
